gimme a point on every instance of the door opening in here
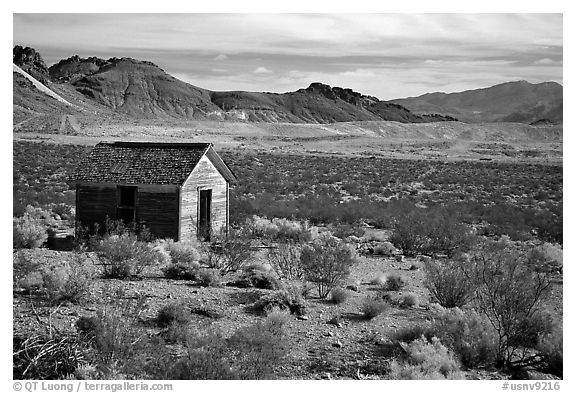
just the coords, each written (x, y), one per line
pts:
(205, 213)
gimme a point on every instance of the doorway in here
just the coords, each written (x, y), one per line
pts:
(204, 216)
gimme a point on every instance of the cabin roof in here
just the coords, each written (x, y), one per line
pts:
(146, 163)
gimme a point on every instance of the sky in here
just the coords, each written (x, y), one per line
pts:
(384, 55)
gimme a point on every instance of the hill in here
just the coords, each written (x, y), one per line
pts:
(141, 89)
(519, 101)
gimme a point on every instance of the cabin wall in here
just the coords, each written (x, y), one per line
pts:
(156, 206)
(205, 176)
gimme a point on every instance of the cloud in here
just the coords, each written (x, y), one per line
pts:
(221, 57)
(262, 70)
(547, 61)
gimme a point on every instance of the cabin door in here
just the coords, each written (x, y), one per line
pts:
(204, 216)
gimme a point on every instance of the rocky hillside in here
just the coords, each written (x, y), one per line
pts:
(31, 62)
(143, 90)
(519, 101)
(140, 90)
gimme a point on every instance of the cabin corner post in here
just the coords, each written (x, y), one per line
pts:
(227, 207)
(179, 231)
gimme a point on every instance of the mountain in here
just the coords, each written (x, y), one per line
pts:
(519, 101)
(31, 62)
(132, 90)
(143, 90)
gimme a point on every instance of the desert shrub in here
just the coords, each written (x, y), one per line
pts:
(285, 260)
(371, 307)
(546, 258)
(468, 334)
(344, 231)
(426, 360)
(124, 256)
(114, 336)
(394, 282)
(289, 299)
(380, 279)
(339, 295)
(68, 281)
(510, 291)
(183, 252)
(386, 249)
(408, 300)
(229, 252)
(181, 271)
(327, 263)
(375, 236)
(427, 232)
(409, 234)
(292, 230)
(46, 356)
(174, 313)
(71, 282)
(257, 276)
(448, 283)
(209, 277)
(409, 333)
(251, 352)
(28, 232)
(551, 348)
(90, 327)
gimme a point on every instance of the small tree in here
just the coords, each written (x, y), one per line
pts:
(509, 291)
(448, 283)
(327, 262)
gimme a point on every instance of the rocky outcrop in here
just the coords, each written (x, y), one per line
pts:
(30, 61)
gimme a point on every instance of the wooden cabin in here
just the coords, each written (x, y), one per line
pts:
(177, 190)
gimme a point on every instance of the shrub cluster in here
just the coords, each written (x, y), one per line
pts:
(426, 360)
(289, 299)
(448, 283)
(371, 307)
(327, 262)
(31, 230)
(279, 229)
(257, 276)
(123, 256)
(69, 281)
(285, 260)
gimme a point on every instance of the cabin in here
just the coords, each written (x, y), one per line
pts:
(177, 190)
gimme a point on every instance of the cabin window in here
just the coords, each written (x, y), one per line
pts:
(126, 204)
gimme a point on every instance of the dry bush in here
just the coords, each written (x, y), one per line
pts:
(174, 313)
(426, 360)
(289, 298)
(31, 230)
(250, 353)
(123, 256)
(551, 348)
(257, 276)
(327, 263)
(209, 277)
(285, 260)
(385, 249)
(182, 271)
(448, 283)
(394, 282)
(371, 307)
(339, 295)
(408, 300)
(183, 252)
(510, 291)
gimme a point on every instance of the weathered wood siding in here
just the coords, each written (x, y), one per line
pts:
(94, 202)
(204, 177)
(156, 206)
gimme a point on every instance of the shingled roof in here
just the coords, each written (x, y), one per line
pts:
(144, 163)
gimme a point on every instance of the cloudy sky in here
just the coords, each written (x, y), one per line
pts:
(385, 55)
